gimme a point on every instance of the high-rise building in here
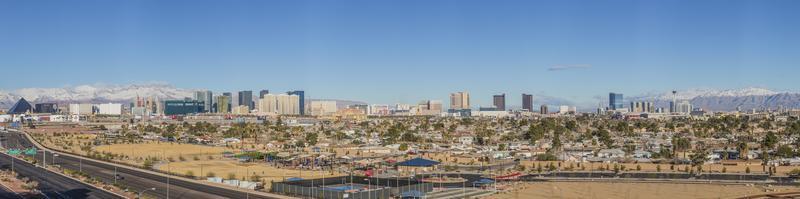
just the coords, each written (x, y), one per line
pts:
(563, 110)
(527, 102)
(246, 99)
(262, 93)
(231, 101)
(323, 107)
(279, 104)
(379, 109)
(684, 107)
(459, 100)
(268, 104)
(500, 102)
(435, 105)
(289, 105)
(182, 107)
(207, 97)
(615, 101)
(543, 109)
(301, 100)
(673, 103)
(81, 109)
(46, 108)
(223, 104)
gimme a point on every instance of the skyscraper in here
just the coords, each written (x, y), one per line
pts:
(615, 101)
(459, 100)
(246, 99)
(262, 93)
(543, 109)
(228, 104)
(500, 102)
(527, 102)
(223, 104)
(302, 100)
(207, 97)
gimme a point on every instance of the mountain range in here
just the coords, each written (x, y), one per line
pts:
(706, 98)
(725, 100)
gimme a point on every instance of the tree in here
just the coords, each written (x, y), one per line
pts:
(769, 140)
(743, 150)
(698, 159)
(311, 138)
(403, 147)
(680, 144)
(785, 151)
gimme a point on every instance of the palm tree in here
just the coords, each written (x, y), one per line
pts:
(743, 150)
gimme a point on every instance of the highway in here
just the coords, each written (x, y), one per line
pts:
(165, 187)
(51, 184)
(6, 193)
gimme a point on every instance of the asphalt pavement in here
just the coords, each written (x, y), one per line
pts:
(51, 184)
(165, 187)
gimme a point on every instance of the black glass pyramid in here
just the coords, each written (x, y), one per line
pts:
(22, 106)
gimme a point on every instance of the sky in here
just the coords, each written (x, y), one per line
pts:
(404, 51)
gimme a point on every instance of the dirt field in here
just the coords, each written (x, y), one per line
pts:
(739, 167)
(196, 160)
(635, 190)
(242, 171)
(164, 150)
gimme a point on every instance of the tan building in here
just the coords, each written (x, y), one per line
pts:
(350, 114)
(267, 105)
(459, 100)
(319, 108)
(429, 107)
(279, 104)
(241, 110)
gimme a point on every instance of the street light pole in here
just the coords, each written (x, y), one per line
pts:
(142, 192)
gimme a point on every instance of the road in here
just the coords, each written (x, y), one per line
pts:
(51, 184)
(165, 187)
(6, 193)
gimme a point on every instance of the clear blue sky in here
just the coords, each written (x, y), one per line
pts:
(404, 51)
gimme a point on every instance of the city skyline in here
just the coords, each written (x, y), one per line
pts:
(514, 101)
(348, 50)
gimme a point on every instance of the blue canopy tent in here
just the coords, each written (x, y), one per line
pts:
(293, 179)
(418, 162)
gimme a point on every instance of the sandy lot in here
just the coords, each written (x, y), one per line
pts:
(635, 190)
(732, 167)
(163, 150)
(242, 171)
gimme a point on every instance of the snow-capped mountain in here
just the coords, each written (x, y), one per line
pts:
(94, 93)
(707, 92)
(726, 100)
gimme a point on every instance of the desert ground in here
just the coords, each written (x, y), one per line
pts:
(635, 190)
(729, 167)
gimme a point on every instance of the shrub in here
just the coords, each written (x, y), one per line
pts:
(211, 174)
